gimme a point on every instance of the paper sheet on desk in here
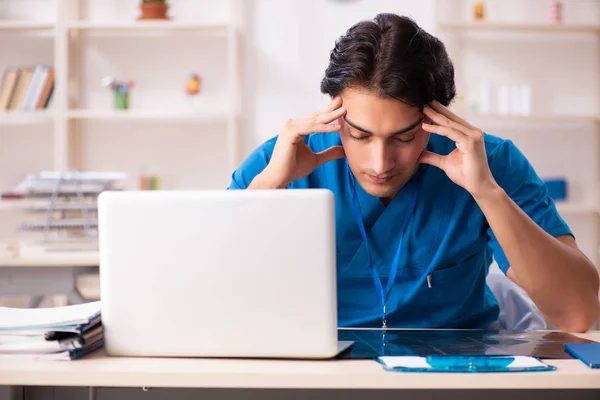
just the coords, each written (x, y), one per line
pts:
(463, 364)
(13, 319)
(36, 345)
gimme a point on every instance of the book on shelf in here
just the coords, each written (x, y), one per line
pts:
(57, 333)
(26, 88)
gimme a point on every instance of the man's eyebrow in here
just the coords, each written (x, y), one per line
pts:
(400, 132)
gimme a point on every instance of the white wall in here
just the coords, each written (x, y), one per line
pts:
(287, 48)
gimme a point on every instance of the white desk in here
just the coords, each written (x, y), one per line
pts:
(98, 370)
(101, 371)
(40, 274)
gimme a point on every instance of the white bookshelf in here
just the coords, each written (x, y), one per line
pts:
(70, 117)
(451, 30)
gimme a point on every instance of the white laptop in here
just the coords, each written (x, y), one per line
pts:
(240, 273)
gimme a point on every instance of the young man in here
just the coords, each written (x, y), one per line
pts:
(424, 200)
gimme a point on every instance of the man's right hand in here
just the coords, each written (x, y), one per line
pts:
(292, 159)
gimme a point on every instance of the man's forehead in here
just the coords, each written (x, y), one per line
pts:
(372, 114)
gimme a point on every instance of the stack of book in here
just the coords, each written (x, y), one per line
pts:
(58, 333)
(67, 211)
(26, 89)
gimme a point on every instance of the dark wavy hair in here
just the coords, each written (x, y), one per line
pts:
(392, 56)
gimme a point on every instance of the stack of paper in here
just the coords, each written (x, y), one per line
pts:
(59, 333)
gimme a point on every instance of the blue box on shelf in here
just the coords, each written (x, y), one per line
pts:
(557, 188)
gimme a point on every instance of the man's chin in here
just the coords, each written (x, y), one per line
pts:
(381, 191)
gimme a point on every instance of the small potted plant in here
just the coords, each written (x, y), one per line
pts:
(154, 9)
(120, 92)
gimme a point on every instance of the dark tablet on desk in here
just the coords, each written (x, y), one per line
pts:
(373, 343)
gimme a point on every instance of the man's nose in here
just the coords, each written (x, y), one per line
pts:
(383, 160)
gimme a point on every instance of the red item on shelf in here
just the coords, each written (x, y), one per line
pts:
(9, 195)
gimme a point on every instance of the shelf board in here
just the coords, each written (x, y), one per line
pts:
(47, 208)
(149, 115)
(20, 204)
(68, 223)
(25, 26)
(145, 26)
(537, 119)
(511, 27)
(567, 208)
(18, 117)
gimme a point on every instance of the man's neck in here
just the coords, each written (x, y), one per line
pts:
(386, 200)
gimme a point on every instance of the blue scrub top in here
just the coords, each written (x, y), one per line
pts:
(447, 237)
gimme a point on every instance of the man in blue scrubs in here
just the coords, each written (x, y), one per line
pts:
(424, 200)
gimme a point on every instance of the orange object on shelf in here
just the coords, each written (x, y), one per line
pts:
(192, 87)
(479, 11)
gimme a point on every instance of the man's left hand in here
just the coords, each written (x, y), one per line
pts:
(467, 165)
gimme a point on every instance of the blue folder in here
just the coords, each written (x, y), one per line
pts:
(588, 353)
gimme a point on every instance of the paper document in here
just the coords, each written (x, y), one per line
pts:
(12, 319)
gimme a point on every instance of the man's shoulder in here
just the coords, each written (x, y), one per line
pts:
(493, 144)
(264, 149)
(503, 153)
(260, 157)
(509, 166)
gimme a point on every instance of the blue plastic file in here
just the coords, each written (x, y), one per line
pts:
(464, 364)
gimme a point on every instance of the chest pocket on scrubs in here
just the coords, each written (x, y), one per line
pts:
(454, 293)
